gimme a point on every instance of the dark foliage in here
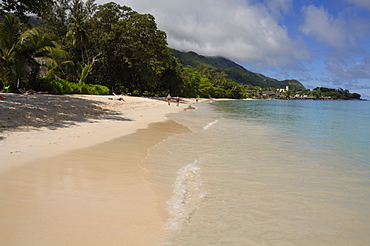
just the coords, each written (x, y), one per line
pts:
(337, 94)
(234, 71)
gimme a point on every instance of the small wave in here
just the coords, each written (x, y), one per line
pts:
(187, 196)
(210, 124)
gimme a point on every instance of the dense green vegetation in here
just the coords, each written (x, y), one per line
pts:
(23, 7)
(234, 71)
(319, 93)
(80, 42)
(75, 46)
(336, 94)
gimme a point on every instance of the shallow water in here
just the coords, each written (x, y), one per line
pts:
(267, 173)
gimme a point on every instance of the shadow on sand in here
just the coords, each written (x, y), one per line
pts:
(50, 111)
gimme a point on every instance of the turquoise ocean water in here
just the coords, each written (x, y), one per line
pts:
(267, 173)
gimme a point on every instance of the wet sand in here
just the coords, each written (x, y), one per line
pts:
(80, 182)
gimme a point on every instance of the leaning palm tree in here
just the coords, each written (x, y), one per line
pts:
(85, 69)
(83, 72)
(43, 49)
(22, 52)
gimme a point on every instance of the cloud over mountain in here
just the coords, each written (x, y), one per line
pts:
(240, 30)
(326, 43)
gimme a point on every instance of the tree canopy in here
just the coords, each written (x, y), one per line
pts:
(22, 8)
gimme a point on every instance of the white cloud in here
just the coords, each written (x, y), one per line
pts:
(323, 27)
(349, 69)
(361, 3)
(236, 29)
(279, 7)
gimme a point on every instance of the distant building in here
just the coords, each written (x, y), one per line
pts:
(303, 97)
(283, 90)
(268, 93)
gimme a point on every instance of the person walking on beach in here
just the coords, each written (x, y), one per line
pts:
(177, 101)
(169, 99)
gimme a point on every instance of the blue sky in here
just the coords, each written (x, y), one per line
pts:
(318, 42)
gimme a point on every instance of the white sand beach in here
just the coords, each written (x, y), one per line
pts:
(70, 169)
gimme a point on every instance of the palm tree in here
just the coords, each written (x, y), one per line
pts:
(77, 29)
(9, 39)
(25, 52)
(79, 24)
(43, 50)
(85, 69)
(83, 72)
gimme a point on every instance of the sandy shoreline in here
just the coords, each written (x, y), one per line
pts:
(35, 126)
(70, 172)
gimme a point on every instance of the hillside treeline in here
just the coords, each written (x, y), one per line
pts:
(336, 94)
(234, 71)
(77, 43)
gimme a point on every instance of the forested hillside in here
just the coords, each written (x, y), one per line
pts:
(234, 71)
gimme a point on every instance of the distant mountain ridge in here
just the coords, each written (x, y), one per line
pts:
(235, 71)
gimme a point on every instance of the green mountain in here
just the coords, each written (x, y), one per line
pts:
(235, 72)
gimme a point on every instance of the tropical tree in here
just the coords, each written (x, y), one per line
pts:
(192, 80)
(83, 72)
(22, 8)
(135, 55)
(23, 53)
(173, 80)
(57, 21)
(108, 27)
(9, 40)
(78, 34)
(148, 55)
(43, 50)
(78, 27)
(77, 30)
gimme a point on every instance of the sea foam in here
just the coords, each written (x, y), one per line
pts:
(188, 194)
(210, 124)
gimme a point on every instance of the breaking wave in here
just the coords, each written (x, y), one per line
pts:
(188, 194)
(210, 124)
